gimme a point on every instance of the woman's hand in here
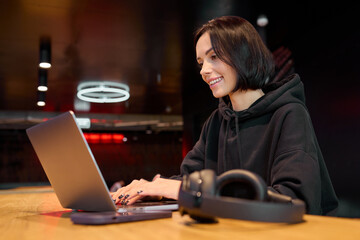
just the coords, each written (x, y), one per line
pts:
(138, 189)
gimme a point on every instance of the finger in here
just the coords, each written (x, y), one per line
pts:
(121, 197)
(118, 197)
(124, 200)
(125, 192)
(133, 199)
(156, 177)
(119, 194)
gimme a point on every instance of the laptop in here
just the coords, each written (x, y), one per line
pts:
(72, 170)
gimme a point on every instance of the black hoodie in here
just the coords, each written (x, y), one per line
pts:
(274, 138)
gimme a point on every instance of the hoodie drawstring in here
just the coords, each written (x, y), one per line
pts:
(238, 139)
(238, 142)
(225, 138)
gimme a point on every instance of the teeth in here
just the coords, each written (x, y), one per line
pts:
(215, 81)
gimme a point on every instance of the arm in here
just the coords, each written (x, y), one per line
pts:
(298, 169)
(195, 159)
(162, 187)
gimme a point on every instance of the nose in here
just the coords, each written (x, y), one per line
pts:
(205, 69)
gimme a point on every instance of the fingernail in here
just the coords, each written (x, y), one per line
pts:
(121, 196)
(126, 202)
(127, 195)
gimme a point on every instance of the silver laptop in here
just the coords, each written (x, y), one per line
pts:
(72, 170)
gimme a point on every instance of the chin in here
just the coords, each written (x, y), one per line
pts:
(218, 95)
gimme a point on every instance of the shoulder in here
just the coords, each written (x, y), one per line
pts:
(293, 111)
(293, 123)
(295, 129)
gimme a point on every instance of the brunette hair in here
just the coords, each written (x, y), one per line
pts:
(237, 43)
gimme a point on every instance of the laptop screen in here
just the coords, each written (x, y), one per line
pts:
(69, 164)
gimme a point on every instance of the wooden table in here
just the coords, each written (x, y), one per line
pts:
(35, 213)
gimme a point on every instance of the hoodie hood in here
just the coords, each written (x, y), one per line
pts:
(277, 94)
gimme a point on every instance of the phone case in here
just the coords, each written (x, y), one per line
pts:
(99, 218)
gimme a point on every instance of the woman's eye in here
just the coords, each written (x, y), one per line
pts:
(213, 57)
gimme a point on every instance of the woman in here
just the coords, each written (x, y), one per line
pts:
(260, 125)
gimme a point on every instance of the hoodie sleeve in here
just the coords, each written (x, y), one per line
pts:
(197, 158)
(298, 169)
(194, 159)
(204, 153)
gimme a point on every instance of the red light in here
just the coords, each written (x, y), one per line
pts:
(104, 137)
(118, 138)
(93, 137)
(93, 120)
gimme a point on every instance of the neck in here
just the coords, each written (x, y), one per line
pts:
(241, 100)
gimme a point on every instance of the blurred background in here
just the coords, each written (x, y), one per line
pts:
(148, 45)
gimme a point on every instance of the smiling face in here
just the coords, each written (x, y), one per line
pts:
(217, 74)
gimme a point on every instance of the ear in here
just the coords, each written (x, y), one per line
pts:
(241, 183)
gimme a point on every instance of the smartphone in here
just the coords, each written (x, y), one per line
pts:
(100, 218)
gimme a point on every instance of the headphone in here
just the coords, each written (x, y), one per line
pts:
(237, 194)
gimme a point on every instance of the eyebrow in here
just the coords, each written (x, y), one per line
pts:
(209, 50)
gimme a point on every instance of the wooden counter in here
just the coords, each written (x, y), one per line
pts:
(35, 213)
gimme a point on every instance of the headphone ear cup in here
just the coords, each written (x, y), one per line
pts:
(241, 183)
(192, 182)
(202, 183)
(208, 182)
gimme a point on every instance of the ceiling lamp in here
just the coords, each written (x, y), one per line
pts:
(103, 92)
(41, 99)
(45, 53)
(262, 20)
(42, 87)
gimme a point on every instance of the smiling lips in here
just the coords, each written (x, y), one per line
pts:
(214, 81)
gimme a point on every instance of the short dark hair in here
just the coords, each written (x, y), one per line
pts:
(237, 43)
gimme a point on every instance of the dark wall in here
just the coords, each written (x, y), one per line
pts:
(324, 40)
(18, 161)
(326, 50)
